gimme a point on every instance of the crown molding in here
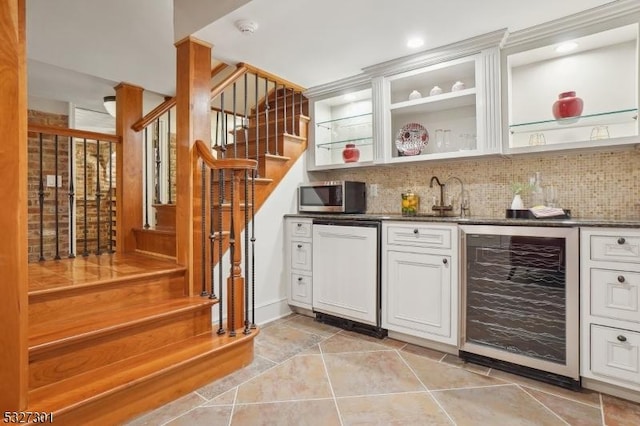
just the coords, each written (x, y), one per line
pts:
(348, 83)
(625, 11)
(448, 52)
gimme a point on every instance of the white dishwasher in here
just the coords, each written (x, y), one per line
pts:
(346, 274)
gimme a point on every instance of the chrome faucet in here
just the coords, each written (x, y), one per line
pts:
(441, 208)
(464, 202)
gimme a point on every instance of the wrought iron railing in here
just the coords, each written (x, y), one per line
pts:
(71, 191)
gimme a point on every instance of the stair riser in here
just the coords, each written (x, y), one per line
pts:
(282, 103)
(161, 243)
(99, 298)
(57, 364)
(125, 404)
(262, 127)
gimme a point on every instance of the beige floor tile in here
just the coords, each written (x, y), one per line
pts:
(498, 405)
(341, 343)
(574, 413)
(168, 411)
(437, 375)
(311, 350)
(227, 398)
(620, 412)
(226, 383)
(424, 352)
(586, 396)
(370, 373)
(204, 416)
(398, 409)
(295, 413)
(281, 342)
(301, 377)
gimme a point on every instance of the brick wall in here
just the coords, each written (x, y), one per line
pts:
(97, 170)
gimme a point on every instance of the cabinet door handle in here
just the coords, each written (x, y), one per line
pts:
(621, 240)
(299, 225)
(445, 261)
(299, 245)
(415, 231)
(299, 279)
(620, 278)
(622, 338)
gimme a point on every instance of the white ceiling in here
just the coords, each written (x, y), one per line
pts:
(79, 49)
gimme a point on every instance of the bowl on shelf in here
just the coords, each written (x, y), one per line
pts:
(411, 139)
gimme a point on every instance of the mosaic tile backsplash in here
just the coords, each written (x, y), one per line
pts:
(600, 185)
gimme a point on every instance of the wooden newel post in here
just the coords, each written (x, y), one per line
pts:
(235, 282)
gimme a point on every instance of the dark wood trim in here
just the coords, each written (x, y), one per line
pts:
(14, 364)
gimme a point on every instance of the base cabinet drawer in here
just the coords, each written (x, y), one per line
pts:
(614, 294)
(615, 353)
(301, 255)
(419, 236)
(616, 248)
(301, 288)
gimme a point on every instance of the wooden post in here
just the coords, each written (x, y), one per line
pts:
(193, 88)
(14, 363)
(235, 281)
(129, 178)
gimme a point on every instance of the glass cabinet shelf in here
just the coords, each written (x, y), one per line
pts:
(366, 141)
(330, 124)
(623, 116)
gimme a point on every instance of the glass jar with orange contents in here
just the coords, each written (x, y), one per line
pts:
(410, 203)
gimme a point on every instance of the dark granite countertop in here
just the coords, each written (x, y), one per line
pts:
(596, 222)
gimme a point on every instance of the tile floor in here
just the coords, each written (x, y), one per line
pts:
(308, 373)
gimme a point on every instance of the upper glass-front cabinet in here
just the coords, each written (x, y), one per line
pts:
(444, 110)
(343, 129)
(577, 91)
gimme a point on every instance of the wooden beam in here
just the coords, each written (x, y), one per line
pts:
(129, 178)
(14, 363)
(74, 133)
(192, 122)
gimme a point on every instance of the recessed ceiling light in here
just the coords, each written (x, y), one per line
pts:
(415, 42)
(566, 47)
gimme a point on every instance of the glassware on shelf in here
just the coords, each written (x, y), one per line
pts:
(537, 139)
(446, 139)
(600, 132)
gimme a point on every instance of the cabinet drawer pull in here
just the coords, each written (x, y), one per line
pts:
(299, 279)
(299, 245)
(622, 338)
(445, 261)
(299, 225)
(415, 231)
(620, 279)
(621, 240)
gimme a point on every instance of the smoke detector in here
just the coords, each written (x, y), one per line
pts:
(246, 26)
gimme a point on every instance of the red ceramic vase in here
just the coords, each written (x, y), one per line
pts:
(567, 105)
(350, 154)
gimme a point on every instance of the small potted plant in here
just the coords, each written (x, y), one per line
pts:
(518, 189)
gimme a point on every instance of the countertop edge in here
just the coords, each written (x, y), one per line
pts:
(566, 223)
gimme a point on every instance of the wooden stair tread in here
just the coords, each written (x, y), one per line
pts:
(54, 334)
(68, 394)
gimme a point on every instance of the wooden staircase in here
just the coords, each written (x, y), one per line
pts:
(275, 153)
(112, 336)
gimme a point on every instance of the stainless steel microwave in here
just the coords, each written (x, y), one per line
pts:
(332, 197)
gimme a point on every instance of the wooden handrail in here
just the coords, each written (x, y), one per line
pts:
(169, 103)
(271, 77)
(74, 133)
(154, 114)
(201, 150)
(220, 87)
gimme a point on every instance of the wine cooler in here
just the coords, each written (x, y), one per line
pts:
(520, 300)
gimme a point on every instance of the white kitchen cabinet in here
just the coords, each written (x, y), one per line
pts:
(420, 280)
(298, 250)
(610, 306)
(601, 68)
(340, 118)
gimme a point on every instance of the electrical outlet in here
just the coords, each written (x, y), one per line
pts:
(373, 189)
(51, 181)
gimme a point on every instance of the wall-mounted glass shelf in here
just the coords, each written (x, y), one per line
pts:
(340, 144)
(329, 124)
(600, 119)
